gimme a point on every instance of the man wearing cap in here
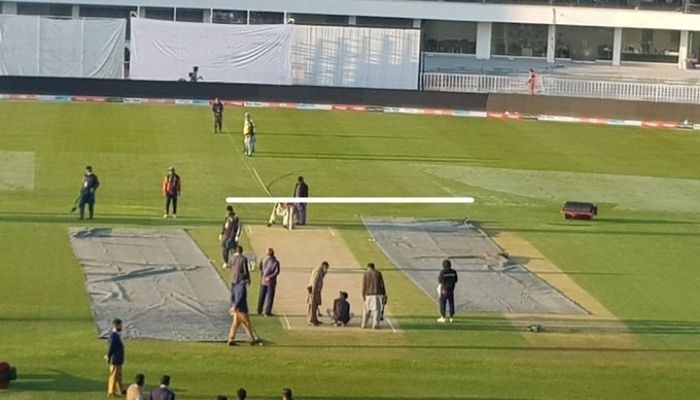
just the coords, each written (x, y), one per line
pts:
(249, 138)
(230, 232)
(301, 189)
(115, 359)
(171, 191)
(217, 107)
(87, 193)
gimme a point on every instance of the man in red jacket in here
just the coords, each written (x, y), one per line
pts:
(171, 191)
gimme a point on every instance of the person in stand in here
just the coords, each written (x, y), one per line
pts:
(230, 233)
(135, 390)
(446, 289)
(340, 314)
(373, 295)
(269, 270)
(240, 279)
(171, 191)
(217, 108)
(301, 189)
(115, 359)
(314, 290)
(87, 193)
(532, 81)
(163, 392)
(249, 137)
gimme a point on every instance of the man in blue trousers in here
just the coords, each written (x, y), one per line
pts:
(269, 270)
(87, 193)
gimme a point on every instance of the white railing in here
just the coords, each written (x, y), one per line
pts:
(559, 86)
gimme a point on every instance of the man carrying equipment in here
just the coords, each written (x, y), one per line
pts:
(230, 232)
(87, 192)
(217, 107)
(171, 191)
(284, 210)
(248, 135)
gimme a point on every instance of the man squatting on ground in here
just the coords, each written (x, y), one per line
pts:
(240, 279)
(269, 270)
(301, 189)
(230, 232)
(115, 359)
(249, 138)
(374, 296)
(446, 289)
(87, 193)
(340, 314)
(284, 210)
(314, 289)
(171, 191)
(217, 108)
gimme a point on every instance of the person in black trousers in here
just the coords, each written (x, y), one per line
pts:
(269, 270)
(446, 288)
(87, 193)
(217, 108)
(301, 189)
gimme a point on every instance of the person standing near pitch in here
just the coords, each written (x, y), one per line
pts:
(446, 290)
(315, 288)
(240, 279)
(115, 359)
(249, 138)
(269, 270)
(217, 108)
(87, 193)
(373, 295)
(230, 232)
(171, 191)
(301, 189)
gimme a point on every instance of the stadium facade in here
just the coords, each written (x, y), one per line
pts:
(613, 32)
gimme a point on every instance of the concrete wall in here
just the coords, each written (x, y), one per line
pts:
(594, 108)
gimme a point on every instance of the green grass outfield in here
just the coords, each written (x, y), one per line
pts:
(639, 259)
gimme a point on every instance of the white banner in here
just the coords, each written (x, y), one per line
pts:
(356, 57)
(166, 50)
(40, 46)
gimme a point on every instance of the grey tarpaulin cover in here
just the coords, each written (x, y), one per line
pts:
(487, 280)
(157, 281)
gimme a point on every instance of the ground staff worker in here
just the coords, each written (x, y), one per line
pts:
(217, 107)
(87, 193)
(446, 289)
(249, 135)
(230, 232)
(374, 296)
(171, 191)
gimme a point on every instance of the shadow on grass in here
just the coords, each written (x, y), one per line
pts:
(376, 157)
(349, 136)
(56, 381)
(104, 220)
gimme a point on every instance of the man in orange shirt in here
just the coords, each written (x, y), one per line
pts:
(171, 191)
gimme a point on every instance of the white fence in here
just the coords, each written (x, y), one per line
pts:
(557, 86)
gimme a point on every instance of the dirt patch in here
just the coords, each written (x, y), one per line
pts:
(299, 252)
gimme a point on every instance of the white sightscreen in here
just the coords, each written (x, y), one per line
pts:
(356, 57)
(164, 50)
(40, 46)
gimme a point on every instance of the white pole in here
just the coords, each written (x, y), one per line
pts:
(351, 200)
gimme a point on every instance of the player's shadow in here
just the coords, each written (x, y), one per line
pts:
(55, 381)
(348, 136)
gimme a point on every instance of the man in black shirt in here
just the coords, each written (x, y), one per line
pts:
(217, 108)
(301, 189)
(446, 289)
(340, 314)
(87, 193)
